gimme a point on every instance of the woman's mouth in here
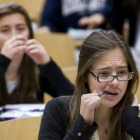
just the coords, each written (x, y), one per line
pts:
(111, 94)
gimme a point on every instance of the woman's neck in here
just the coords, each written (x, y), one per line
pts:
(102, 114)
(12, 71)
(102, 118)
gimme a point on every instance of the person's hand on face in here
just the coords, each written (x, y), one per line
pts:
(37, 52)
(92, 21)
(14, 46)
(19, 44)
(89, 102)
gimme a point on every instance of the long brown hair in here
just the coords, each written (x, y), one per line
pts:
(93, 48)
(28, 71)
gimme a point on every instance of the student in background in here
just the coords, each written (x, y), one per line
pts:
(105, 85)
(26, 70)
(60, 15)
(126, 13)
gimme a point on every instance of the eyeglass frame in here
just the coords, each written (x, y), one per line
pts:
(114, 76)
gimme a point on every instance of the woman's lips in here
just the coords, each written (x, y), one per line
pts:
(111, 94)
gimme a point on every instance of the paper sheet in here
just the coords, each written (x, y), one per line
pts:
(21, 110)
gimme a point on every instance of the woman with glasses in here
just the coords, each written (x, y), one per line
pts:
(26, 69)
(106, 82)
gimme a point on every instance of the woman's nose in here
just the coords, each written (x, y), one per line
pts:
(13, 33)
(114, 82)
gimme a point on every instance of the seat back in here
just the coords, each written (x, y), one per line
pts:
(33, 7)
(59, 46)
(20, 129)
(47, 97)
(70, 73)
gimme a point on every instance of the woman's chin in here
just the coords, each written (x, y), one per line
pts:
(110, 103)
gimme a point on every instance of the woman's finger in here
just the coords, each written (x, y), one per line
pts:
(31, 41)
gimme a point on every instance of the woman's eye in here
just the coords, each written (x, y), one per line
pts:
(104, 73)
(21, 29)
(4, 31)
(122, 72)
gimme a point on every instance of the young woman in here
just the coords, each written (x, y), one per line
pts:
(106, 82)
(26, 70)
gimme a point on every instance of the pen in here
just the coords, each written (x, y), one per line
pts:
(101, 94)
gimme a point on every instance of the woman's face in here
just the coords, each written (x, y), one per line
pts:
(12, 25)
(113, 63)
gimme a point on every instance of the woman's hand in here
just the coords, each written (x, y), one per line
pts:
(89, 102)
(14, 46)
(37, 52)
(92, 21)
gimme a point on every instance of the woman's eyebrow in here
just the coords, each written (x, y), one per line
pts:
(107, 68)
(4, 26)
(21, 24)
(102, 68)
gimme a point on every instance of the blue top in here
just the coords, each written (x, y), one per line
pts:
(59, 15)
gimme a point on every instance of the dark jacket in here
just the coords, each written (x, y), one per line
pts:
(131, 121)
(51, 79)
(55, 122)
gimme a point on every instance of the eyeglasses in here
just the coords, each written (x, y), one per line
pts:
(104, 78)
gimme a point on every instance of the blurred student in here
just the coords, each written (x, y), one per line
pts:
(125, 18)
(60, 15)
(26, 70)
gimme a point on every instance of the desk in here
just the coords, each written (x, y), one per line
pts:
(20, 129)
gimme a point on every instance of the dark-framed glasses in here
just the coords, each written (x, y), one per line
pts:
(104, 78)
